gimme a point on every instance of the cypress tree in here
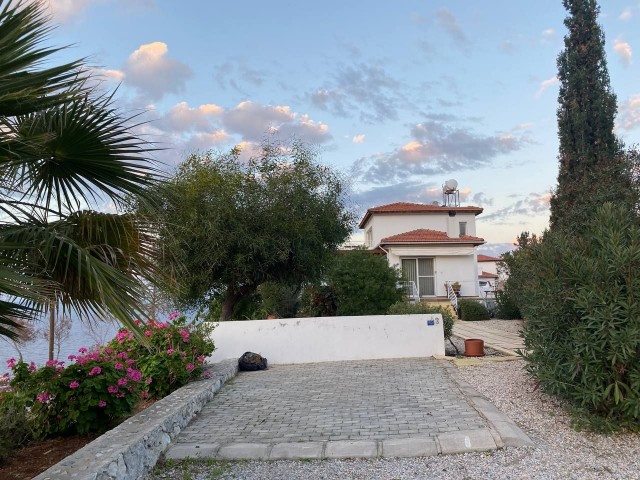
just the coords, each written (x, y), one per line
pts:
(592, 164)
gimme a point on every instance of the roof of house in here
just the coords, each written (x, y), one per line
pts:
(487, 258)
(487, 275)
(405, 208)
(423, 235)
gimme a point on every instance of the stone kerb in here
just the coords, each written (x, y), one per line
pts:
(331, 339)
(132, 448)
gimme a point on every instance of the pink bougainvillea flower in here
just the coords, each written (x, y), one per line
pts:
(135, 375)
(11, 363)
(148, 380)
(130, 361)
(32, 367)
(118, 366)
(112, 389)
(122, 381)
(102, 404)
(95, 371)
(82, 350)
(174, 315)
(148, 333)
(201, 358)
(71, 357)
(50, 363)
(43, 397)
(74, 384)
(190, 367)
(137, 322)
(170, 351)
(122, 355)
(145, 395)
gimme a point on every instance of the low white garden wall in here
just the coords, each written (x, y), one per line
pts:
(328, 339)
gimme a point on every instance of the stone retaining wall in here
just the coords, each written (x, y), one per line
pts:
(132, 448)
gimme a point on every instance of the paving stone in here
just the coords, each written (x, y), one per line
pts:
(351, 449)
(244, 451)
(511, 434)
(288, 451)
(409, 447)
(180, 451)
(466, 441)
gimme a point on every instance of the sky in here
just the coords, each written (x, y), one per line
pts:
(398, 96)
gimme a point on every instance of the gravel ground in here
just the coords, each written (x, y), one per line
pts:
(511, 326)
(561, 453)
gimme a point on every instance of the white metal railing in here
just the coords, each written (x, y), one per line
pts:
(410, 290)
(453, 298)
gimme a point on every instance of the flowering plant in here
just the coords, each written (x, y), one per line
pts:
(178, 350)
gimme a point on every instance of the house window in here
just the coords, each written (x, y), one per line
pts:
(369, 238)
(463, 229)
(420, 271)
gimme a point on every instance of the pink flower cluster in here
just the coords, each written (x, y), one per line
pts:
(43, 397)
(185, 335)
(173, 316)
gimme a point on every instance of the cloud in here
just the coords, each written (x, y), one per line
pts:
(495, 249)
(624, 51)
(626, 14)
(182, 118)
(548, 32)
(449, 23)
(436, 148)
(361, 88)
(153, 73)
(65, 10)
(205, 141)
(236, 74)
(546, 84)
(358, 138)
(533, 204)
(630, 113)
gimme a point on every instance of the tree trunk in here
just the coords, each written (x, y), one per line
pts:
(52, 327)
(230, 300)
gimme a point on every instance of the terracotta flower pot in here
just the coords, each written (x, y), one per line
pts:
(474, 347)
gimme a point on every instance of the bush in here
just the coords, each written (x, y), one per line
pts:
(106, 384)
(583, 316)
(278, 299)
(507, 306)
(470, 311)
(317, 301)
(406, 308)
(15, 430)
(363, 283)
(176, 354)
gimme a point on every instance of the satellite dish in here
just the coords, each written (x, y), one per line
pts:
(450, 185)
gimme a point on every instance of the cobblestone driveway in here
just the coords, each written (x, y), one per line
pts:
(364, 400)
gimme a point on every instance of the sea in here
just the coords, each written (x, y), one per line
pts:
(81, 333)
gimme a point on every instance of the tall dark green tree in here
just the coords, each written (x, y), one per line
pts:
(592, 163)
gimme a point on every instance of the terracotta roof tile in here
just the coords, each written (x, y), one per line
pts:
(406, 207)
(424, 235)
(487, 258)
(487, 275)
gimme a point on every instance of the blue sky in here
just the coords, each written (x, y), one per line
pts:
(400, 96)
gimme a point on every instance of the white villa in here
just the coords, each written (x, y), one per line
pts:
(433, 245)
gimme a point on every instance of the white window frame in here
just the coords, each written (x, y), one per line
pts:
(460, 226)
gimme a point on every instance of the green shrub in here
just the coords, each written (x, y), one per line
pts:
(104, 385)
(363, 283)
(507, 306)
(278, 299)
(406, 308)
(470, 310)
(176, 355)
(15, 430)
(583, 316)
(317, 301)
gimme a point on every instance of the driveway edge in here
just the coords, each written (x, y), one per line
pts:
(132, 448)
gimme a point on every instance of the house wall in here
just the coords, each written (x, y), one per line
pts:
(329, 339)
(489, 267)
(386, 225)
(452, 263)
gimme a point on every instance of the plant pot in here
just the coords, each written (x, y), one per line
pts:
(474, 347)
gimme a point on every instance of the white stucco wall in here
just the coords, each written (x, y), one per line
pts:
(489, 267)
(328, 339)
(386, 225)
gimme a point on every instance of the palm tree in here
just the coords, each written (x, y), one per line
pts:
(63, 149)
